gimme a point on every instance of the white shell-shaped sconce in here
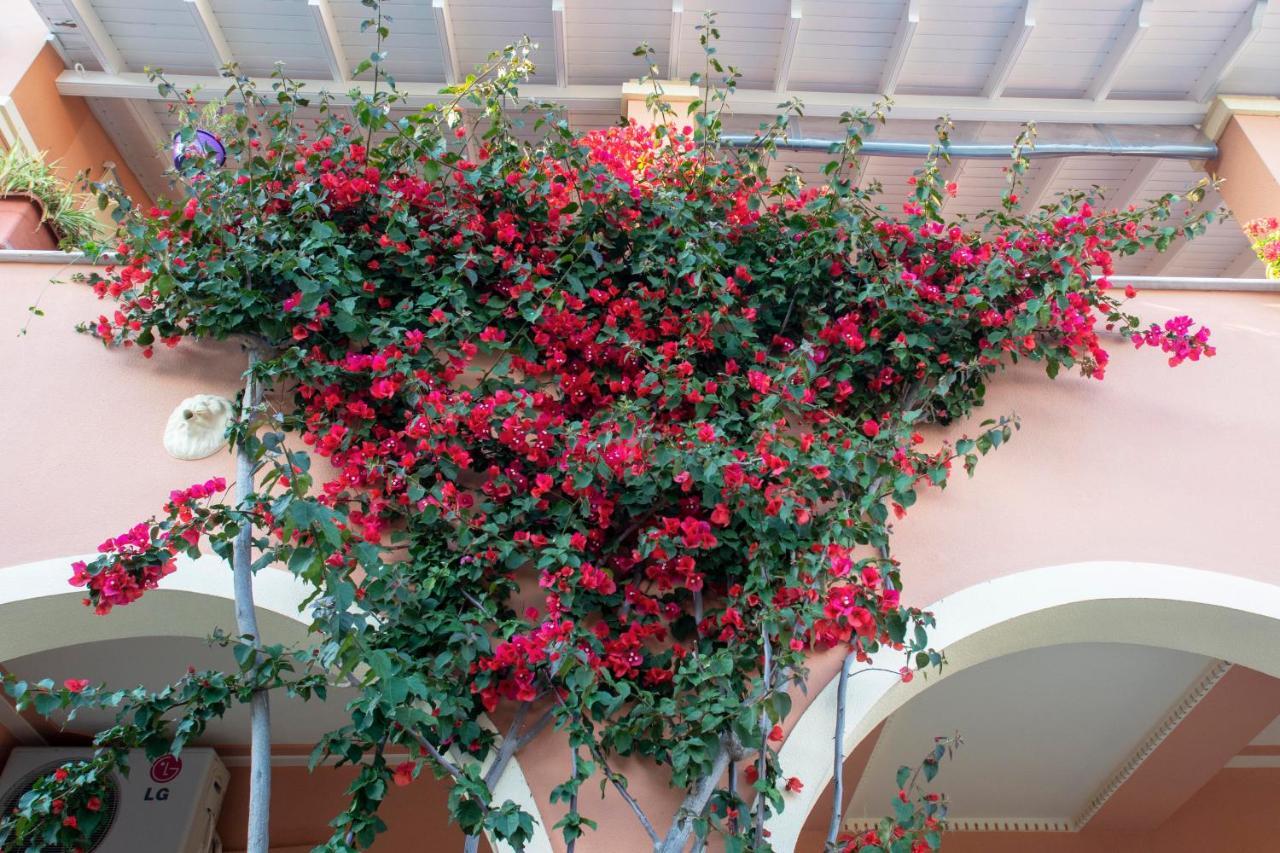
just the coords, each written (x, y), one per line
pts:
(198, 427)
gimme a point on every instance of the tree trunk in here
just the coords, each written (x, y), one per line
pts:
(837, 768)
(693, 806)
(247, 626)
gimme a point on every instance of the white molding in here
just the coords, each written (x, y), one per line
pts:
(673, 44)
(1242, 35)
(38, 607)
(1219, 615)
(1180, 711)
(900, 48)
(98, 84)
(984, 824)
(206, 22)
(448, 45)
(1130, 37)
(560, 33)
(13, 130)
(1019, 33)
(787, 48)
(330, 41)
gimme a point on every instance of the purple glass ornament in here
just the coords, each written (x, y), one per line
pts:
(204, 143)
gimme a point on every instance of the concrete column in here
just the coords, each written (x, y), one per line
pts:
(677, 93)
(1247, 130)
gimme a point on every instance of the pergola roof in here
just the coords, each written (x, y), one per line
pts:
(987, 63)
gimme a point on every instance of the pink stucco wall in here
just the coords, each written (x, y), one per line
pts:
(1154, 464)
(82, 425)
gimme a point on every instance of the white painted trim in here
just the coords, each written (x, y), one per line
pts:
(41, 256)
(787, 48)
(985, 824)
(1019, 34)
(901, 47)
(560, 34)
(444, 35)
(1210, 613)
(1175, 282)
(1180, 711)
(13, 130)
(1130, 37)
(95, 33)
(673, 44)
(1242, 35)
(35, 599)
(202, 15)
(97, 84)
(330, 41)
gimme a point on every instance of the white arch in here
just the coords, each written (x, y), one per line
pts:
(38, 609)
(1208, 613)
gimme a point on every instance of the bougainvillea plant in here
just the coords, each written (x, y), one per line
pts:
(604, 430)
(1264, 237)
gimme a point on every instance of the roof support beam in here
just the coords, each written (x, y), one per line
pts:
(953, 171)
(100, 43)
(1214, 721)
(761, 102)
(787, 48)
(901, 47)
(1130, 192)
(1035, 192)
(1017, 39)
(331, 41)
(1163, 262)
(1241, 264)
(559, 30)
(108, 55)
(677, 33)
(1229, 53)
(1128, 40)
(211, 31)
(448, 45)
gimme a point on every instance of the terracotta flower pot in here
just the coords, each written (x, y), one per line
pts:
(20, 225)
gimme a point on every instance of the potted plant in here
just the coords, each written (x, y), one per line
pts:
(38, 210)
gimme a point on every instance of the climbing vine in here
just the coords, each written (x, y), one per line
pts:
(604, 431)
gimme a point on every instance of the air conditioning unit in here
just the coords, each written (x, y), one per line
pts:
(169, 805)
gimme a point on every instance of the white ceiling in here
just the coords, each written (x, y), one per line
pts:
(156, 661)
(1043, 729)
(1085, 53)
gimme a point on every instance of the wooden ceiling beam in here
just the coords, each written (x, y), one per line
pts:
(1019, 34)
(1127, 42)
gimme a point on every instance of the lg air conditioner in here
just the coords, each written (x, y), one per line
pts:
(169, 805)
